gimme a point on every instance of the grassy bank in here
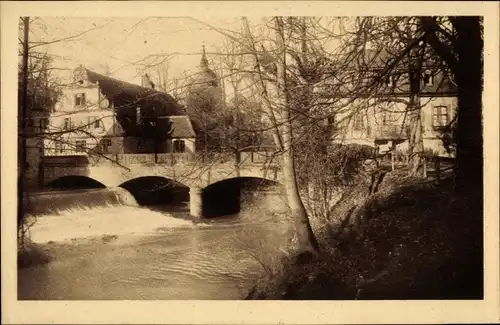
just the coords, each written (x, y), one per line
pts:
(409, 239)
(31, 254)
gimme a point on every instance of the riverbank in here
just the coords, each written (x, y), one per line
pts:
(412, 239)
(33, 254)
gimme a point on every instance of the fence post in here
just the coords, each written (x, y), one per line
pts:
(438, 169)
(424, 161)
(392, 160)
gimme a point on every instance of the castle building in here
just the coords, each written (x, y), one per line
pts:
(381, 116)
(97, 114)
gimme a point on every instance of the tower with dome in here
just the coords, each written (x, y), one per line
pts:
(205, 104)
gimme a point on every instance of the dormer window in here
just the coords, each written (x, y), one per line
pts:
(179, 146)
(428, 78)
(80, 99)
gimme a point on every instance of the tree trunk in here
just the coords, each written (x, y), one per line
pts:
(22, 115)
(415, 145)
(306, 241)
(464, 59)
(469, 167)
(415, 139)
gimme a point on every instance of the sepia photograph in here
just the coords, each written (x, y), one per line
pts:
(250, 157)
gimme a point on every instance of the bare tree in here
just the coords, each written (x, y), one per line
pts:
(277, 105)
(453, 45)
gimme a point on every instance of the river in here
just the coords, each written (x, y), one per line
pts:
(105, 247)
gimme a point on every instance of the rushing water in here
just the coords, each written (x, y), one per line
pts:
(147, 253)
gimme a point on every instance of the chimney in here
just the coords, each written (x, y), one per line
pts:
(146, 82)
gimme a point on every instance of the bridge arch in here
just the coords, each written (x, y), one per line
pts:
(156, 190)
(72, 182)
(227, 196)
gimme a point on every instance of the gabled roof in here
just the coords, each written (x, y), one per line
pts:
(127, 95)
(362, 72)
(178, 126)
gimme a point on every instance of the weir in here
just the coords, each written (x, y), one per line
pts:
(55, 202)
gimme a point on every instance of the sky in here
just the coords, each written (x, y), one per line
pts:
(121, 42)
(118, 46)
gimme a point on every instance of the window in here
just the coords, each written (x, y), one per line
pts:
(104, 146)
(43, 123)
(67, 123)
(428, 78)
(179, 146)
(93, 121)
(80, 99)
(390, 118)
(440, 116)
(331, 120)
(80, 146)
(358, 122)
(58, 147)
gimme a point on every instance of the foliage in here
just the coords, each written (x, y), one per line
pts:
(449, 137)
(43, 89)
(30, 254)
(403, 249)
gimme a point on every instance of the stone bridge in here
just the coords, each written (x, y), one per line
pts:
(193, 171)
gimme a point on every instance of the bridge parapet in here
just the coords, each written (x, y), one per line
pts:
(188, 169)
(182, 158)
(141, 159)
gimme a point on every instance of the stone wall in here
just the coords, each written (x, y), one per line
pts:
(118, 169)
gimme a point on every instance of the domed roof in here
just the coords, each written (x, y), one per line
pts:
(205, 76)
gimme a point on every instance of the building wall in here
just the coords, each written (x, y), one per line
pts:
(71, 123)
(67, 101)
(385, 121)
(97, 127)
(74, 124)
(190, 145)
(427, 113)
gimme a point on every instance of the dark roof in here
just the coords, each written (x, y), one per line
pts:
(179, 126)
(371, 63)
(127, 95)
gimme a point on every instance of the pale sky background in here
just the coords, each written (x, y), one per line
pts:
(121, 42)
